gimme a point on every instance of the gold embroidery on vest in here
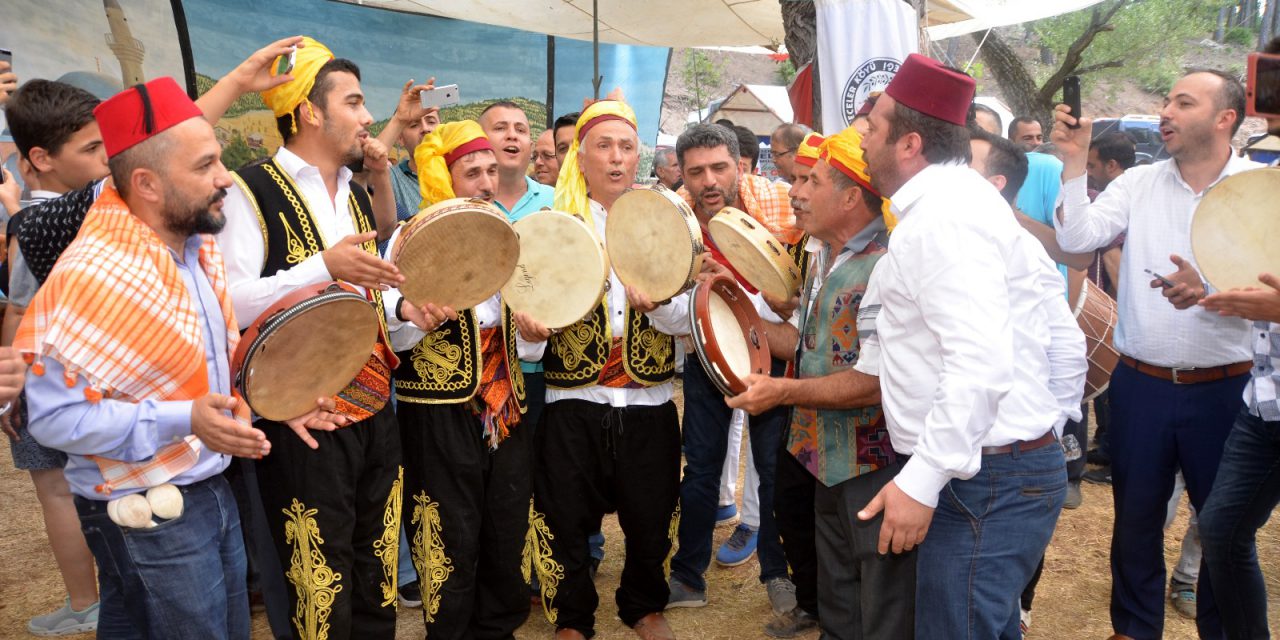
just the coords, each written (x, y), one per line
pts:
(434, 359)
(315, 583)
(649, 351)
(537, 559)
(388, 547)
(513, 359)
(291, 191)
(296, 253)
(253, 201)
(571, 345)
(433, 565)
(672, 532)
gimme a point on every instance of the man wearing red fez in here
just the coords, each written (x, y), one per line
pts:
(138, 394)
(977, 361)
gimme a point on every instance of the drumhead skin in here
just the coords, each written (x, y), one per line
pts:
(562, 272)
(654, 242)
(456, 253)
(1235, 230)
(728, 335)
(309, 345)
(754, 253)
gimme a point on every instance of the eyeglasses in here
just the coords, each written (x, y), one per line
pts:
(779, 154)
(546, 156)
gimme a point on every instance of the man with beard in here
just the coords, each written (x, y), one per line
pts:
(975, 358)
(162, 412)
(408, 125)
(296, 220)
(466, 449)
(609, 439)
(546, 164)
(841, 444)
(1026, 132)
(517, 195)
(708, 156)
(1173, 399)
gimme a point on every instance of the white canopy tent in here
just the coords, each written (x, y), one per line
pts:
(704, 23)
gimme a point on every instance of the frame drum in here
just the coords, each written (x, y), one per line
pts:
(755, 253)
(654, 242)
(563, 270)
(728, 335)
(455, 253)
(309, 344)
(1235, 230)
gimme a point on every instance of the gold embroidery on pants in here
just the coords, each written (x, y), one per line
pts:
(433, 565)
(537, 559)
(672, 532)
(315, 583)
(388, 547)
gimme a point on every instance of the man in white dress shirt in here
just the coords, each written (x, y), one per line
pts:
(979, 363)
(1179, 384)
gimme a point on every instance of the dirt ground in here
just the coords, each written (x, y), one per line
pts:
(1071, 601)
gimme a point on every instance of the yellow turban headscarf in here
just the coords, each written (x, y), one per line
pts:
(284, 99)
(439, 150)
(808, 151)
(843, 151)
(571, 185)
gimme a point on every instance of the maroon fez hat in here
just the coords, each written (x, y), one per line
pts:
(142, 111)
(932, 89)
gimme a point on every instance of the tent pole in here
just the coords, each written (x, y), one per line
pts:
(551, 80)
(595, 46)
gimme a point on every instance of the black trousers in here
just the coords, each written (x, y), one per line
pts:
(334, 515)
(593, 459)
(467, 509)
(862, 595)
(793, 495)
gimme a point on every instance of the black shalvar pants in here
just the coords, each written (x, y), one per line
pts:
(467, 510)
(793, 509)
(592, 459)
(334, 515)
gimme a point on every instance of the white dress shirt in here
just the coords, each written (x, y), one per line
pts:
(1154, 204)
(243, 250)
(973, 342)
(671, 318)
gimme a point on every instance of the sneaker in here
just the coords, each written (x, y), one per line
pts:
(1183, 597)
(410, 595)
(726, 515)
(1024, 621)
(739, 548)
(1101, 475)
(65, 621)
(1096, 456)
(791, 624)
(782, 595)
(1074, 497)
(682, 595)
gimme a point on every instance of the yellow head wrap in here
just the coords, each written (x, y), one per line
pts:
(843, 151)
(808, 151)
(439, 150)
(571, 185)
(284, 99)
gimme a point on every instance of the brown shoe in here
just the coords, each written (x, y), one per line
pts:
(569, 634)
(654, 627)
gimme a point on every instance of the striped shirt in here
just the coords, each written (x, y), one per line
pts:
(1260, 394)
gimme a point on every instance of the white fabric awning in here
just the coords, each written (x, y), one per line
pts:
(703, 23)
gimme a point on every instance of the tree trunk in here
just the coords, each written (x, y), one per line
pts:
(1009, 72)
(800, 23)
(1220, 31)
(1268, 30)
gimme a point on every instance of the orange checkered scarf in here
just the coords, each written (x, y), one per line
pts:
(116, 311)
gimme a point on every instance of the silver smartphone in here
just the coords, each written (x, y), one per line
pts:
(439, 97)
(6, 56)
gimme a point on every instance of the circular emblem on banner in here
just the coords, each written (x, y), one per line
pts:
(872, 75)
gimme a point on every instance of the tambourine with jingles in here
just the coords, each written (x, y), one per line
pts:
(456, 253)
(563, 269)
(754, 253)
(654, 242)
(728, 335)
(309, 344)
(1235, 230)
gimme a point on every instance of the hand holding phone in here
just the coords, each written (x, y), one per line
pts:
(1164, 282)
(284, 64)
(1071, 98)
(442, 96)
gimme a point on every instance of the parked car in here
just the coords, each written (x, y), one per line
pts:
(1145, 131)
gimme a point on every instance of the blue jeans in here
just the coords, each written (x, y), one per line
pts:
(1246, 490)
(706, 439)
(184, 578)
(987, 536)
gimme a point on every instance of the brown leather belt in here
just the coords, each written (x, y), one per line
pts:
(1189, 375)
(1023, 445)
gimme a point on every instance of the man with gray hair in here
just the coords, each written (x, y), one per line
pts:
(666, 168)
(783, 144)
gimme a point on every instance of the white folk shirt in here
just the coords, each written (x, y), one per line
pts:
(244, 253)
(671, 318)
(1154, 204)
(972, 337)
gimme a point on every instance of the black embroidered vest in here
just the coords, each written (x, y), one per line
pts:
(576, 356)
(447, 365)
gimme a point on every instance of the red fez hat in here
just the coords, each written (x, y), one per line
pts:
(925, 85)
(142, 111)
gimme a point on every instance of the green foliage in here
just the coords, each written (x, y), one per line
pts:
(786, 72)
(237, 153)
(242, 105)
(536, 111)
(1243, 36)
(701, 73)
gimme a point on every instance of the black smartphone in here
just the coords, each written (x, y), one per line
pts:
(1262, 90)
(1164, 282)
(1071, 97)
